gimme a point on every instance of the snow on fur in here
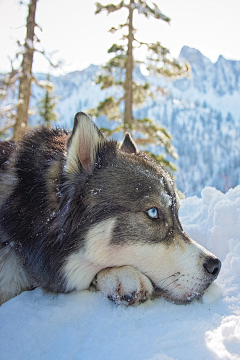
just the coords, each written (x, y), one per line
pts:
(85, 325)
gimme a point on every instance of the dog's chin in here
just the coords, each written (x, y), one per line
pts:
(180, 299)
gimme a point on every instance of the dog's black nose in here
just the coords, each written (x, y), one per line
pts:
(212, 266)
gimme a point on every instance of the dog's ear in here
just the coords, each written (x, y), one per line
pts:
(128, 145)
(84, 143)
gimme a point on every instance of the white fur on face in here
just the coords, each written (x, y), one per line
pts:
(80, 269)
(176, 268)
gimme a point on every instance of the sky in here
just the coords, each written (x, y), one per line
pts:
(79, 37)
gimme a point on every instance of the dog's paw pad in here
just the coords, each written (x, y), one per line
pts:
(124, 285)
(129, 298)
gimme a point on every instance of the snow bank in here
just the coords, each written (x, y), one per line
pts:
(214, 221)
(36, 325)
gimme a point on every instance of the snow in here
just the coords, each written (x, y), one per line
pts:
(36, 325)
(212, 294)
(47, 85)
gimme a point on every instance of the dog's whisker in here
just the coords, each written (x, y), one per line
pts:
(165, 287)
(174, 281)
(165, 279)
(173, 289)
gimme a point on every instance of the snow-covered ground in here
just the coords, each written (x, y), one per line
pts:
(36, 325)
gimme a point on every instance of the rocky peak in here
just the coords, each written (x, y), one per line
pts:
(194, 57)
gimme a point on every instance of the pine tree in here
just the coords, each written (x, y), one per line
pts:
(119, 72)
(20, 80)
(25, 79)
(47, 104)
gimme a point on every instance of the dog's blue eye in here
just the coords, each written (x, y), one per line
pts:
(152, 213)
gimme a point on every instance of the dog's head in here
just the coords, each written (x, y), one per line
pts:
(126, 213)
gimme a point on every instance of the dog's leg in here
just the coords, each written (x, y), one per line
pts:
(124, 285)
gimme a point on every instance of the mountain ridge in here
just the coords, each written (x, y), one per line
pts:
(202, 113)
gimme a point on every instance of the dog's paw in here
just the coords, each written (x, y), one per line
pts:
(124, 285)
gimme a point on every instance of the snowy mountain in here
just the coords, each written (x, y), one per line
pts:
(202, 113)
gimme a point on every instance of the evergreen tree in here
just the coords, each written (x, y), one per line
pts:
(119, 72)
(26, 70)
(47, 104)
(20, 79)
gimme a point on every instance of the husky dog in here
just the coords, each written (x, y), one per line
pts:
(76, 212)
